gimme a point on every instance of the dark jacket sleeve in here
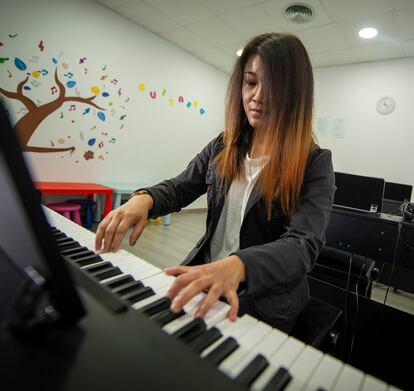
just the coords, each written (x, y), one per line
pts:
(173, 194)
(295, 252)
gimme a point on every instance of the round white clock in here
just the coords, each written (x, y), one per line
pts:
(386, 105)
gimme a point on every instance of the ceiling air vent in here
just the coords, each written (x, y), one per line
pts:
(299, 13)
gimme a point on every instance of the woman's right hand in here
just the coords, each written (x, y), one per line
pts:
(113, 227)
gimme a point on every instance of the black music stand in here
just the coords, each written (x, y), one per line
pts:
(36, 289)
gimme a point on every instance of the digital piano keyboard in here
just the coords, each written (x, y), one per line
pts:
(241, 355)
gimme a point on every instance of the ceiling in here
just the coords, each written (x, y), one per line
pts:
(213, 30)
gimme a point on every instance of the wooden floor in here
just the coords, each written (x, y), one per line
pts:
(166, 246)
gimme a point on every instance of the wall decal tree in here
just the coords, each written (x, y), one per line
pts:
(27, 125)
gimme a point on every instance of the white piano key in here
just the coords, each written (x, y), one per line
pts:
(247, 342)
(371, 383)
(349, 379)
(303, 367)
(231, 329)
(176, 324)
(281, 357)
(325, 374)
(144, 302)
(266, 346)
(158, 281)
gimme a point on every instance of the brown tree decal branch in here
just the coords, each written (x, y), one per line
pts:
(28, 124)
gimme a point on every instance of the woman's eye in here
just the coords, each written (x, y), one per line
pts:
(250, 83)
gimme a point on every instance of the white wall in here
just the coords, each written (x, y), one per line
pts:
(157, 140)
(369, 143)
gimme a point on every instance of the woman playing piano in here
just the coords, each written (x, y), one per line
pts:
(269, 191)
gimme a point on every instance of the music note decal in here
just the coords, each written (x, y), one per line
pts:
(101, 144)
(112, 140)
(41, 46)
(82, 60)
(122, 117)
(68, 75)
(44, 72)
(10, 74)
(53, 90)
(4, 59)
(72, 107)
(114, 81)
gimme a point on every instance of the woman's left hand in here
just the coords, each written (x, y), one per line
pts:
(220, 278)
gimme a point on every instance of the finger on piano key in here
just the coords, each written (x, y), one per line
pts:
(325, 374)
(349, 379)
(176, 324)
(303, 367)
(371, 383)
(233, 329)
(284, 356)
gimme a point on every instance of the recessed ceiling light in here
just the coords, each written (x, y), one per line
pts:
(239, 52)
(368, 32)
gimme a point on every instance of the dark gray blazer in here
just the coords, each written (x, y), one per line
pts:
(277, 253)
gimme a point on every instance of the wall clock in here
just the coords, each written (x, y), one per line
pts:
(386, 105)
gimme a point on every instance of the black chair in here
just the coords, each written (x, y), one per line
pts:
(315, 325)
(348, 271)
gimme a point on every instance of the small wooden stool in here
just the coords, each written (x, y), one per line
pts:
(70, 211)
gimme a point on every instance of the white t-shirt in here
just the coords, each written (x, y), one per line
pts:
(225, 239)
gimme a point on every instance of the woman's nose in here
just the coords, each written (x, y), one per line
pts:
(257, 95)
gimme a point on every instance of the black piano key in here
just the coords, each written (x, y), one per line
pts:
(138, 295)
(76, 250)
(205, 340)
(279, 380)
(99, 266)
(249, 374)
(63, 239)
(128, 287)
(167, 316)
(217, 355)
(191, 330)
(156, 306)
(86, 260)
(74, 257)
(58, 235)
(121, 280)
(112, 272)
(67, 244)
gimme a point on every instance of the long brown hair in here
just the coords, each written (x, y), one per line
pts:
(286, 137)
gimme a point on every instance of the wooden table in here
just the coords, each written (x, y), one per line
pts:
(78, 188)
